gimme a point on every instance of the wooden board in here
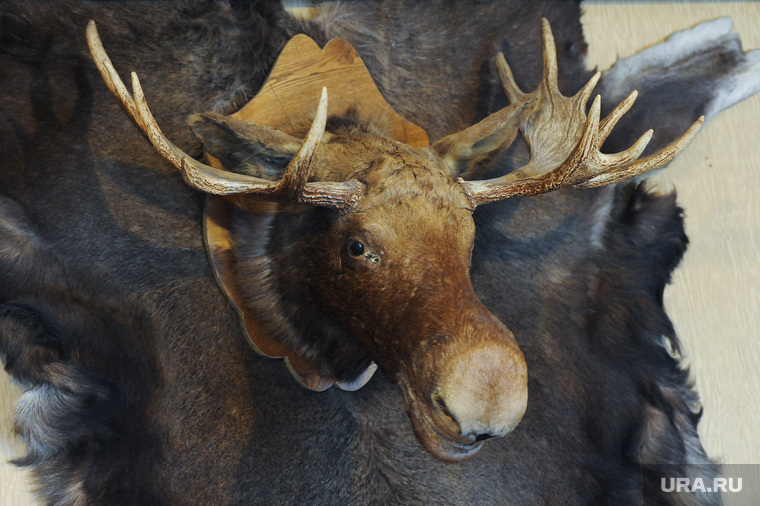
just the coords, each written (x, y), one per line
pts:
(295, 83)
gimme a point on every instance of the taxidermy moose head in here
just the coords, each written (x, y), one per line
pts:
(368, 255)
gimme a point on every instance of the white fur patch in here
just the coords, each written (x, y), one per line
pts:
(32, 414)
(677, 47)
(667, 343)
(743, 82)
(35, 412)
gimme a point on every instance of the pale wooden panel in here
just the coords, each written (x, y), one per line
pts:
(715, 295)
(14, 482)
(295, 84)
(716, 291)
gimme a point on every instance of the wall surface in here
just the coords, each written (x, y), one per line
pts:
(715, 296)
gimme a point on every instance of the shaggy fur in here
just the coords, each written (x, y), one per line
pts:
(141, 387)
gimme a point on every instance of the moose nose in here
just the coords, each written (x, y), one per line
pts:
(483, 393)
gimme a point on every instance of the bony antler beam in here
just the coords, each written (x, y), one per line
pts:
(564, 142)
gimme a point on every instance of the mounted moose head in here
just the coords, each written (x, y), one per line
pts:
(374, 263)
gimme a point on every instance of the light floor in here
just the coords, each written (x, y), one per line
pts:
(715, 296)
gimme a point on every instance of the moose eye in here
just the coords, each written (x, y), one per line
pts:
(356, 248)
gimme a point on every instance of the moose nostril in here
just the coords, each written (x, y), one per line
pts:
(476, 438)
(445, 410)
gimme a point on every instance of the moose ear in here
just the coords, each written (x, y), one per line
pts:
(461, 151)
(245, 148)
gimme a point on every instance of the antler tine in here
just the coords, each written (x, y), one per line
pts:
(294, 179)
(340, 196)
(567, 170)
(608, 123)
(585, 93)
(648, 163)
(626, 157)
(147, 123)
(550, 57)
(508, 84)
(549, 71)
(107, 71)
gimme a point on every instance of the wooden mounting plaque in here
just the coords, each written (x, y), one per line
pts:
(292, 93)
(295, 83)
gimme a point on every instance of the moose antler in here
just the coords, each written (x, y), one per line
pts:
(564, 143)
(293, 186)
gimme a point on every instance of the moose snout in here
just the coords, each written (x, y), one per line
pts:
(482, 393)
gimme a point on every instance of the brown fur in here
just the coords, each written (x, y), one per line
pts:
(406, 301)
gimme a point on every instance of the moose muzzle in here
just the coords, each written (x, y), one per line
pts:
(466, 387)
